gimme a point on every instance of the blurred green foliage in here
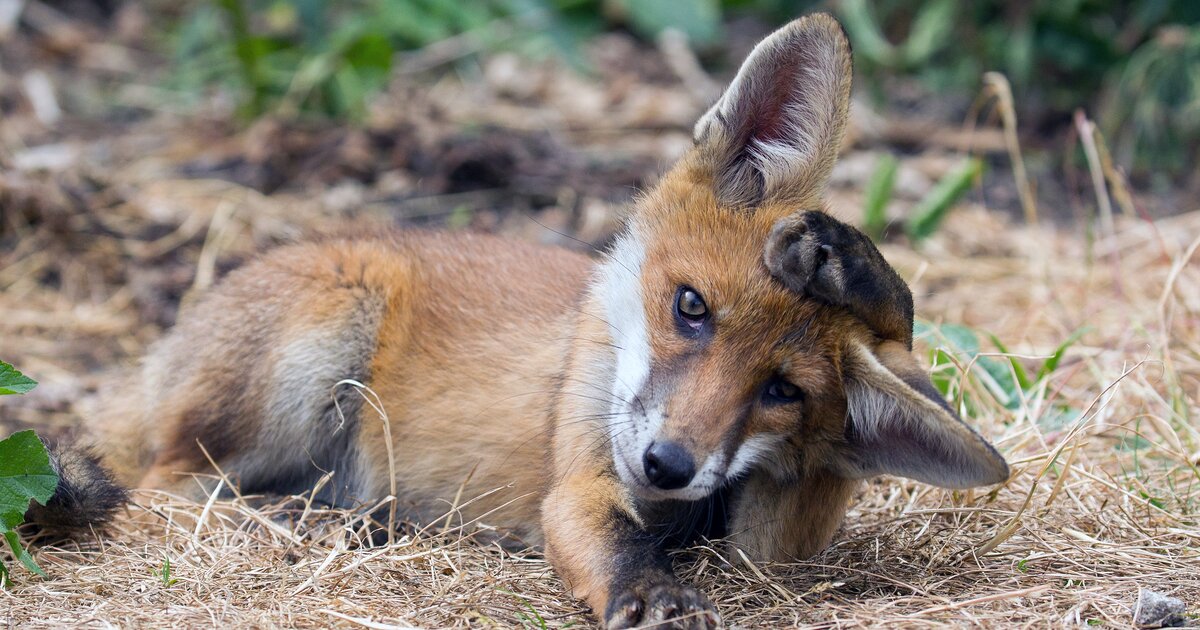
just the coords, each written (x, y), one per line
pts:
(326, 57)
(1133, 62)
(314, 56)
(1135, 59)
(962, 369)
(1153, 111)
(927, 215)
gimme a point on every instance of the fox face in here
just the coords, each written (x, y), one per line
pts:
(731, 302)
(717, 362)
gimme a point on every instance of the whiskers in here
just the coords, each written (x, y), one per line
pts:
(682, 523)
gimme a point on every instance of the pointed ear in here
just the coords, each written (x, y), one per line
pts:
(776, 130)
(897, 423)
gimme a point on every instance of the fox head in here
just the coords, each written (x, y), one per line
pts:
(720, 368)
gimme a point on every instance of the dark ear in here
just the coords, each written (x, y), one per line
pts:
(776, 130)
(898, 424)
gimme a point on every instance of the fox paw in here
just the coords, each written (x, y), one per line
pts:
(818, 256)
(663, 605)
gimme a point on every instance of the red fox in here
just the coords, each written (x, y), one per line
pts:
(732, 367)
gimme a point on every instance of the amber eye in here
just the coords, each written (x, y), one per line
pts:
(690, 305)
(779, 391)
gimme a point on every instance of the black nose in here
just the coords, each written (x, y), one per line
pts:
(668, 465)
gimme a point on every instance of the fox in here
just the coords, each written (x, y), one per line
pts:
(732, 368)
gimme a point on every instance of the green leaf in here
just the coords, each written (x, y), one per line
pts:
(1001, 378)
(995, 375)
(928, 214)
(349, 93)
(878, 194)
(14, 382)
(1018, 54)
(1152, 500)
(943, 371)
(700, 20)
(864, 31)
(960, 338)
(931, 31)
(14, 543)
(25, 475)
(923, 329)
(370, 52)
(1002, 384)
(249, 51)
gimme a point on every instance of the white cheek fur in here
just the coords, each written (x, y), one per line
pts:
(620, 291)
(752, 451)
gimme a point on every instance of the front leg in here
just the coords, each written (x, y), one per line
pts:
(780, 521)
(817, 255)
(600, 548)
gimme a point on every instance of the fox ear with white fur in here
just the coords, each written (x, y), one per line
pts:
(898, 424)
(775, 132)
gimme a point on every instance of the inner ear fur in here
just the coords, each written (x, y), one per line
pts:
(897, 423)
(775, 132)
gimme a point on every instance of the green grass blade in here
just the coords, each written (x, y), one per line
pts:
(878, 194)
(1051, 364)
(928, 214)
(1019, 371)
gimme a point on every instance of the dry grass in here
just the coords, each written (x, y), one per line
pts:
(1082, 524)
(1096, 508)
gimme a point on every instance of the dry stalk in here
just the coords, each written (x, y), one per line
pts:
(997, 85)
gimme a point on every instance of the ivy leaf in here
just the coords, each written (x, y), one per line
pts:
(14, 382)
(25, 475)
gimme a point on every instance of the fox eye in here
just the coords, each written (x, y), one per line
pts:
(691, 312)
(690, 305)
(779, 392)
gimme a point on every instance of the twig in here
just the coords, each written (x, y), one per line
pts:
(366, 623)
(1033, 590)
